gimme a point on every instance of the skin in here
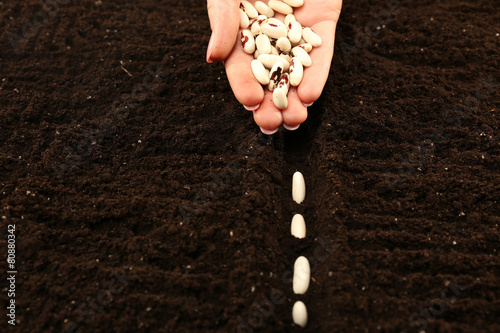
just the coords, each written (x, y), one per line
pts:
(225, 45)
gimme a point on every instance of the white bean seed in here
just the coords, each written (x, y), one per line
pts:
(283, 44)
(249, 9)
(288, 19)
(263, 44)
(294, 3)
(295, 32)
(279, 98)
(301, 275)
(298, 227)
(247, 41)
(255, 29)
(275, 75)
(264, 9)
(296, 71)
(280, 7)
(244, 21)
(260, 72)
(311, 37)
(304, 57)
(298, 187)
(299, 314)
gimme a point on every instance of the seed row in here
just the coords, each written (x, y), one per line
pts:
(301, 268)
(280, 49)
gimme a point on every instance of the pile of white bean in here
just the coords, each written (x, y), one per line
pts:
(281, 49)
(301, 268)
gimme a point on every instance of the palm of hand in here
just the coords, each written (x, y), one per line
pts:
(322, 17)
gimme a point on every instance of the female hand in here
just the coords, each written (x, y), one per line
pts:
(225, 45)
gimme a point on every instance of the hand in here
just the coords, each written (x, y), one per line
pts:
(225, 45)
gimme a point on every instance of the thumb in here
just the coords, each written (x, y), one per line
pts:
(224, 20)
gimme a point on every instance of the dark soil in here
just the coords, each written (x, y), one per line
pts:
(145, 199)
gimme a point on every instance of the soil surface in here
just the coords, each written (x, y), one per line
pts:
(145, 199)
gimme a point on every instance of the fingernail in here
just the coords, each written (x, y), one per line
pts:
(209, 49)
(307, 105)
(268, 132)
(251, 108)
(290, 128)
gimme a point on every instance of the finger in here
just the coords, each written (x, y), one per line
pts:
(245, 86)
(224, 20)
(296, 113)
(315, 76)
(267, 116)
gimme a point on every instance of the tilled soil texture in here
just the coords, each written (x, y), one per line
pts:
(145, 199)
